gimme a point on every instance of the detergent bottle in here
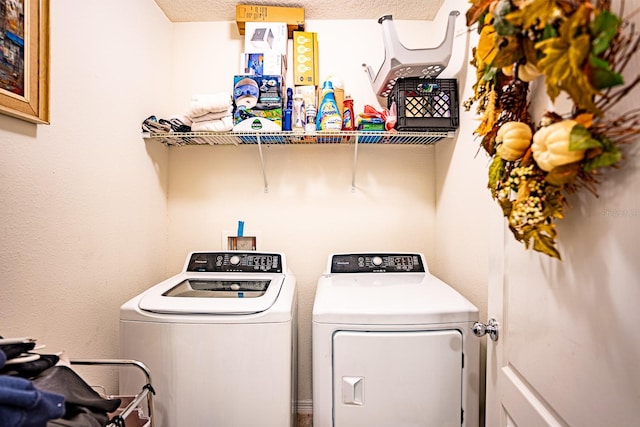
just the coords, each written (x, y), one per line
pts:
(348, 122)
(338, 92)
(328, 117)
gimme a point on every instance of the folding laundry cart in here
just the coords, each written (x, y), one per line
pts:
(130, 413)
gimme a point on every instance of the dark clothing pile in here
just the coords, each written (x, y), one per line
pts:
(36, 391)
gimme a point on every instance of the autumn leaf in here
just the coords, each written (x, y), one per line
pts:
(585, 119)
(524, 191)
(564, 174)
(610, 155)
(506, 206)
(554, 202)
(509, 53)
(487, 49)
(562, 66)
(529, 51)
(603, 29)
(496, 172)
(477, 9)
(489, 74)
(605, 159)
(503, 27)
(564, 59)
(601, 76)
(543, 238)
(534, 15)
(489, 119)
(489, 142)
(580, 139)
(548, 32)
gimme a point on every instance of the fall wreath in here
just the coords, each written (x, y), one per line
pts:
(576, 47)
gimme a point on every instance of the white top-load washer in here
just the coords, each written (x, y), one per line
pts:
(392, 345)
(220, 341)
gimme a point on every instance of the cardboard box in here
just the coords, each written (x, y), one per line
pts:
(293, 17)
(305, 58)
(259, 64)
(266, 37)
(257, 103)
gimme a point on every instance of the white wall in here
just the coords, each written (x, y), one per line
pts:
(83, 200)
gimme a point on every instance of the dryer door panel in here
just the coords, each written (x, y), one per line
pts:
(399, 379)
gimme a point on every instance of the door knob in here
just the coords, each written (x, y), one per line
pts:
(480, 329)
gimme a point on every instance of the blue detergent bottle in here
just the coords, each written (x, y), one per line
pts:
(328, 117)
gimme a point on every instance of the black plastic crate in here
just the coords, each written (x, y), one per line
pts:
(426, 104)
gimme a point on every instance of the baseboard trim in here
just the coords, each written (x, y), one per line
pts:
(304, 407)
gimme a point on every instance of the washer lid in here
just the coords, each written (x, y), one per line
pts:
(389, 299)
(194, 293)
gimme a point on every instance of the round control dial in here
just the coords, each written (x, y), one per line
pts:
(234, 260)
(377, 261)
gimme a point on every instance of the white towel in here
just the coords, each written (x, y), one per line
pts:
(212, 116)
(209, 103)
(219, 125)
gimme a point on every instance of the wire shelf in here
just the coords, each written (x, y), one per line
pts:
(174, 139)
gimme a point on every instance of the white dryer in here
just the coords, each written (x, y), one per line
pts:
(220, 341)
(392, 346)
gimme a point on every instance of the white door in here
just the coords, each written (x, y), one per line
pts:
(568, 352)
(399, 379)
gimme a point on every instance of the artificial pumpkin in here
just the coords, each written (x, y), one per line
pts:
(513, 139)
(551, 146)
(528, 72)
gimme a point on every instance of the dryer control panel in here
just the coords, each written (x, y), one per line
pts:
(378, 263)
(235, 262)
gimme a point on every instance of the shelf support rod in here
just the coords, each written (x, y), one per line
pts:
(355, 165)
(264, 172)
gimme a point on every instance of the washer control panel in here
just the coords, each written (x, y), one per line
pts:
(377, 263)
(234, 262)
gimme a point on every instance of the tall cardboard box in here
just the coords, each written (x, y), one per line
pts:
(305, 58)
(292, 16)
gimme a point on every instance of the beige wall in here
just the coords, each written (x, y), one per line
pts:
(83, 200)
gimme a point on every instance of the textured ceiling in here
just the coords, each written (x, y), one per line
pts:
(225, 10)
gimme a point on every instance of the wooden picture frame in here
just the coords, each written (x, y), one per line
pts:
(24, 59)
